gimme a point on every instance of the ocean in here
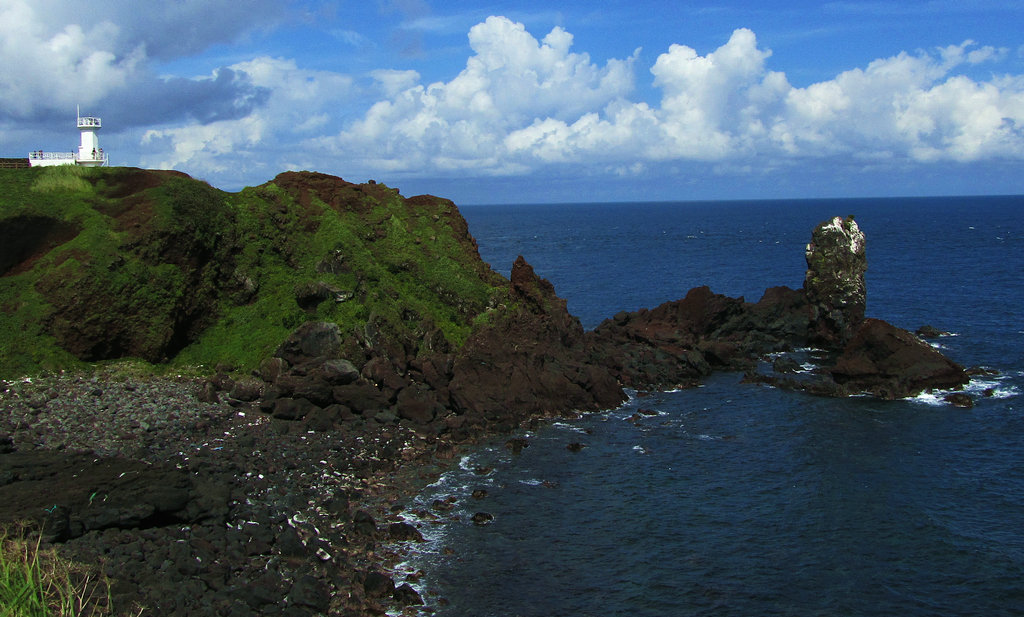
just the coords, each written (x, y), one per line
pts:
(738, 499)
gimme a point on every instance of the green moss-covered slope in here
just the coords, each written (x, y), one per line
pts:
(105, 263)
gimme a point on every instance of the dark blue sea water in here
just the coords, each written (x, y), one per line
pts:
(740, 499)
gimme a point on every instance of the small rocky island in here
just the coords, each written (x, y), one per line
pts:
(316, 349)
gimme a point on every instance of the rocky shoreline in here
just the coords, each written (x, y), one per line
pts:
(195, 508)
(278, 491)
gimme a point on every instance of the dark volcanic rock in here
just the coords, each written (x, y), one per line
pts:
(292, 408)
(892, 363)
(405, 595)
(404, 532)
(314, 339)
(364, 523)
(482, 518)
(531, 360)
(680, 342)
(661, 347)
(780, 319)
(246, 389)
(360, 397)
(338, 372)
(834, 282)
(930, 332)
(77, 493)
(378, 585)
(418, 404)
(308, 591)
(959, 399)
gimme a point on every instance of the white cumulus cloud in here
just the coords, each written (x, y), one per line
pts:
(57, 66)
(523, 103)
(300, 103)
(511, 81)
(57, 54)
(907, 105)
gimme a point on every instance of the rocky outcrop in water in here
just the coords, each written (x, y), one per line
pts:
(890, 362)
(679, 342)
(834, 282)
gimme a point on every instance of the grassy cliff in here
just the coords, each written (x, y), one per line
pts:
(107, 263)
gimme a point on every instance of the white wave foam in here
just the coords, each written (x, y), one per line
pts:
(570, 427)
(934, 399)
(994, 389)
(810, 350)
(977, 388)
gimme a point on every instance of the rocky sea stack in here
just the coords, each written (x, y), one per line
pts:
(834, 283)
(343, 340)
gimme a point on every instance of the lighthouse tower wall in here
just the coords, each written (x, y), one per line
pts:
(89, 154)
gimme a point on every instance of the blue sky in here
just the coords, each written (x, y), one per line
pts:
(534, 101)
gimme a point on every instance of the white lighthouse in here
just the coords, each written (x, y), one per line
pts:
(89, 154)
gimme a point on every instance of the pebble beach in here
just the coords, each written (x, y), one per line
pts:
(279, 519)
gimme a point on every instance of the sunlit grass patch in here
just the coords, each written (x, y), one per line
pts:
(36, 582)
(62, 178)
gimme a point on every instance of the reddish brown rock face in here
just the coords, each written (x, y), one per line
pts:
(890, 362)
(530, 361)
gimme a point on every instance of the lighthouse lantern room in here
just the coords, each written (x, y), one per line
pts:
(89, 154)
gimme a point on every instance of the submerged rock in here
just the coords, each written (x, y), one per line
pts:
(482, 518)
(959, 399)
(930, 332)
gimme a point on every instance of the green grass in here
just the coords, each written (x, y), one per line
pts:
(38, 583)
(155, 251)
(405, 269)
(62, 179)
